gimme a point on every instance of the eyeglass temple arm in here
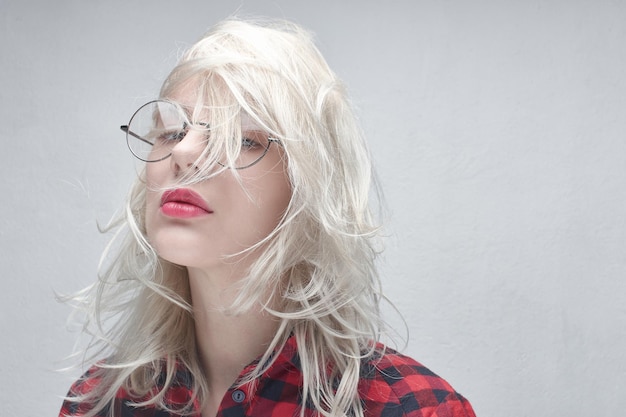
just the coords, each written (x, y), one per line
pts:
(133, 134)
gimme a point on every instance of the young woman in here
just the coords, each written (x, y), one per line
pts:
(246, 285)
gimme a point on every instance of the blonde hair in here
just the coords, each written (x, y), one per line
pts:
(315, 272)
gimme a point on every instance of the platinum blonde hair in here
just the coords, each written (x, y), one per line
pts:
(315, 272)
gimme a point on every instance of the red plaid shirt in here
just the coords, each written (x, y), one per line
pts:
(391, 386)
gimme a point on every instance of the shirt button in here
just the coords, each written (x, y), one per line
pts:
(238, 396)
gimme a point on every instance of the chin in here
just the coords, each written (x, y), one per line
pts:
(182, 257)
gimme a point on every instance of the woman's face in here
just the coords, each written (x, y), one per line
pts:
(197, 225)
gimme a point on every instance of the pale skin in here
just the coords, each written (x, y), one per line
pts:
(236, 221)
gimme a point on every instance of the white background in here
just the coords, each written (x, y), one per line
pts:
(499, 133)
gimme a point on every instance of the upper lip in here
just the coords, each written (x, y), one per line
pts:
(187, 196)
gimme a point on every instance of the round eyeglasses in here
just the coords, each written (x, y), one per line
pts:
(157, 126)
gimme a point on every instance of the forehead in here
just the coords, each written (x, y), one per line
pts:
(186, 94)
(197, 99)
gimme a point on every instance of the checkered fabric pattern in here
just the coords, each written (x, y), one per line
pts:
(392, 385)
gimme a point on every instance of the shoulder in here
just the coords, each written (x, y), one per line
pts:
(96, 390)
(78, 400)
(393, 384)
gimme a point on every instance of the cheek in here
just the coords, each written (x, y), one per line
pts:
(150, 210)
(271, 196)
(278, 201)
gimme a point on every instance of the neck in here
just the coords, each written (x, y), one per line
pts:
(226, 343)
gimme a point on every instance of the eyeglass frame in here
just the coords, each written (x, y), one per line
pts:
(125, 129)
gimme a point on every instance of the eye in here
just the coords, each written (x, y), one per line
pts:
(174, 135)
(247, 143)
(254, 140)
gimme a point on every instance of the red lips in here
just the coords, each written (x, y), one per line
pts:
(183, 203)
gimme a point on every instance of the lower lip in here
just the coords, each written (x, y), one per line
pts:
(182, 210)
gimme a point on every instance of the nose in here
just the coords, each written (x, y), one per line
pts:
(187, 153)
